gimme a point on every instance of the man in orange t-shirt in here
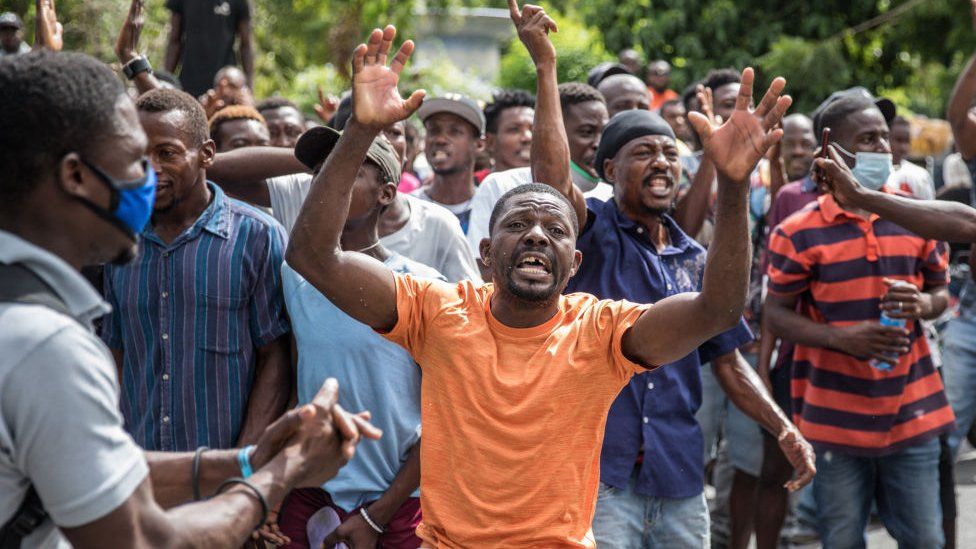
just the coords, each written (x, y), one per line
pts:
(517, 379)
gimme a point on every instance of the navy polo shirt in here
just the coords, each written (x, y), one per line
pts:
(656, 410)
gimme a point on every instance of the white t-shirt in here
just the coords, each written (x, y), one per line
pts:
(432, 236)
(60, 425)
(494, 187)
(912, 179)
(955, 173)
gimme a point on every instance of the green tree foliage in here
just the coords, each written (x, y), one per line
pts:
(579, 47)
(809, 42)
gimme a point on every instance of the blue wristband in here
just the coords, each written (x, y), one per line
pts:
(244, 460)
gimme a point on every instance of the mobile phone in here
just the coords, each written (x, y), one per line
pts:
(824, 140)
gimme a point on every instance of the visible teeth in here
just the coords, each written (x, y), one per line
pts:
(440, 154)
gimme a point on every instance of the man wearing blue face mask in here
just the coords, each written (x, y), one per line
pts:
(198, 326)
(875, 430)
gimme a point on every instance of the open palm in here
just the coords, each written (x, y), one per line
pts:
(736, 146)
(375, 98)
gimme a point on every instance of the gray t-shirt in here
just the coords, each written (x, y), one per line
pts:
(60, 424)
(432, 236)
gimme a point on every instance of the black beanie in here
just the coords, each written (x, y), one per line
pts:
(624, 128)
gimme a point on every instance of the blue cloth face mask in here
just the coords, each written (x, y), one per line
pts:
(132, 201)
(871, 169)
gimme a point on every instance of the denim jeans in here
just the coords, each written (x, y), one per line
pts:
(904, 485)
(626, 520)
(959, 370)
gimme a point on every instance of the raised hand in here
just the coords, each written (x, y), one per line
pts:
(127, 45)
(533, 26)
(376, 99)
(49, 32)
(326, 107)
(736, 146)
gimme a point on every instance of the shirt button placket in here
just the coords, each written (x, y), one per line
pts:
(166, 429)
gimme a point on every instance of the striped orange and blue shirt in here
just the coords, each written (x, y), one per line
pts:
(189, 317)
(838, 261)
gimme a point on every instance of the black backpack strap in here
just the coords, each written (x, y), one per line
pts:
(29, 516)
(18, 284)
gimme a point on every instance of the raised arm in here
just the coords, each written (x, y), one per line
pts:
(245, 34)
(174, 42)
(932, 219)
(678, 324)
(127, 46)
(692, 209)
(48, 32)
(550, 148)
(361, 286)
(242, 172)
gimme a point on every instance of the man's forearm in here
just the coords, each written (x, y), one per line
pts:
(726, 279)
(270, 391)
(315, 239)
(242, 172)
(937, 300)
(404, 485)
(932, 219)
(692, 209)
(247, 55)
(788, 324)
(172, 478)
(746, 390)
(229, 520)
(550, 147)
(174, 45)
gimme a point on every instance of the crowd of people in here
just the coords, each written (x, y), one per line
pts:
(558, 319)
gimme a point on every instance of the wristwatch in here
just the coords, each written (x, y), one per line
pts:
(138, 65)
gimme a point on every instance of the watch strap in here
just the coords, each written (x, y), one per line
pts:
(138, 65)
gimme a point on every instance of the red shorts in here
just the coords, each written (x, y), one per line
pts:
(302, 503)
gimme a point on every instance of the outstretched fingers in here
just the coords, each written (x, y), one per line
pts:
(514, 12)
(703, 127)
(373, 46)
(772, 95)
(359, 58)
(402, 56)
(776, 114)
(744, 100)
(389, 33)
(413, 102)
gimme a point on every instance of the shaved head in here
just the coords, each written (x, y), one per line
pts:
(624, 92)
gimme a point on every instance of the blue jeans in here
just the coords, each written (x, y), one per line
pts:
(959, 371)
(905, 487)
(626, 520)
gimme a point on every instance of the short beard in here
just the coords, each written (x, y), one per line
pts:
(530, 295)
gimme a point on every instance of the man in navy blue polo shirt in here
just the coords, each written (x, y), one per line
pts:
(652, 485)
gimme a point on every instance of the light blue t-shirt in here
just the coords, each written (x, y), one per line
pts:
(374, 374)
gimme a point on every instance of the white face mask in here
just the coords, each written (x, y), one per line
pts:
(871, 169)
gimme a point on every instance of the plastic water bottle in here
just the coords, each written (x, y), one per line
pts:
(886, 320)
